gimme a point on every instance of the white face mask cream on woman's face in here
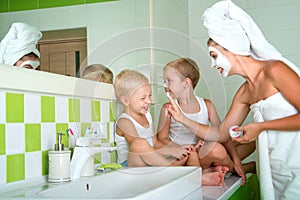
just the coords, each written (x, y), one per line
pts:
(220, 61)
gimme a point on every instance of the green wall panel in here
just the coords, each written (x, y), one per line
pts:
(58, 3)
(45, 163)
(18, 5)
(48, 109)
(14, 107)
(95, 110)
(74, 110)
(112, 111)
(97, 1)
(3, 5)
(83, 127)
(2, 139)
(65, 138)
(32, 137)
(15, 167)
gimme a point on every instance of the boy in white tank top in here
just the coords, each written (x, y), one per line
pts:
(137, 144)
(181, 77)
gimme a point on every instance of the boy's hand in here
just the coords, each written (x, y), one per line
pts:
(173, 109)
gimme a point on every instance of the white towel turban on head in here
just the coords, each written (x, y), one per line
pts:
(232, 28)
(20, 40)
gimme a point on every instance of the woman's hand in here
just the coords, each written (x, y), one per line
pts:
(250, 133)
(238, 168)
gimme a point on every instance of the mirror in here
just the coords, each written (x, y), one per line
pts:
(137, 34)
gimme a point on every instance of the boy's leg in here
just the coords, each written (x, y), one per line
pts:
(193, 159)
(142, 154)
(214, 154)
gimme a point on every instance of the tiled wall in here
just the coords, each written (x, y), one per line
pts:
(29, 123)
(17, 5)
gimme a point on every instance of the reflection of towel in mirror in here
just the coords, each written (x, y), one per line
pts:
(232, 28)
(20, 40)
(278, 161)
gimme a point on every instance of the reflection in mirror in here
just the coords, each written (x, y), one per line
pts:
(63, 51)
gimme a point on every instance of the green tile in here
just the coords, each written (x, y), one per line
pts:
(97, 158)
(74, 110)
(113, 157)
(45, 163)
(32, 137)
(95, 110)
(48, 109)
(63, 128)
(51, 3)
(18, 5)
(4, 6)
(112, 111)
(14, 107)
(15, 167)
(97, 1)
(83, 127)
(2, 139)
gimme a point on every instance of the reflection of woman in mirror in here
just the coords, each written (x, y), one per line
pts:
(98, 72)
(18, 47)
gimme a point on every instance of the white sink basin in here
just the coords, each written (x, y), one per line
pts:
(131, 183)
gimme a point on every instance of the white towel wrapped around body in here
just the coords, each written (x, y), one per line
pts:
(278, 161)
(20, 40)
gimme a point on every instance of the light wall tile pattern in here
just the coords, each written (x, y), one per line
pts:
(29, 123)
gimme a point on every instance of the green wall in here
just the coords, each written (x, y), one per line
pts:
(19, 5)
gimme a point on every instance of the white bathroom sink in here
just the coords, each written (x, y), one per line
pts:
(131, 183)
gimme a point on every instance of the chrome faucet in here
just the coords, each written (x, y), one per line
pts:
(82, 162)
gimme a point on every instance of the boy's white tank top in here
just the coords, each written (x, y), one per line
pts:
(179, 134)
(122, 145)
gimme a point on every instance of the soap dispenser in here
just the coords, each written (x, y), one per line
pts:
(59, 162)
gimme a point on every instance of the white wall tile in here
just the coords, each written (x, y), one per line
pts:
(32, 108)
(48, 136)
(61, 109)
(104, 108)
(15, 138)
(62, 17)
(3, 169)
(2, 108)
(267, 3)
(275, 18)
(112, 128)
(85, 110)
(33, 164)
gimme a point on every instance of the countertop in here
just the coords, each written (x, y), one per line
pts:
(27, 190)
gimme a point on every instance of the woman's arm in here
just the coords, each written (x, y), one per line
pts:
(205, 132)
(213, 116)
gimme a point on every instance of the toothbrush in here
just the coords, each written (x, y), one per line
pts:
(71, 133)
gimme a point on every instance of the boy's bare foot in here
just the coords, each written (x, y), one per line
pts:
(212, 178)
(220, 168)
(250, 167)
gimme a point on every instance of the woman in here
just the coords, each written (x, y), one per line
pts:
(271, 91)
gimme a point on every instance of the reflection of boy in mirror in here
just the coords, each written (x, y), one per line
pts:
(18, 47)
(98, 72)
